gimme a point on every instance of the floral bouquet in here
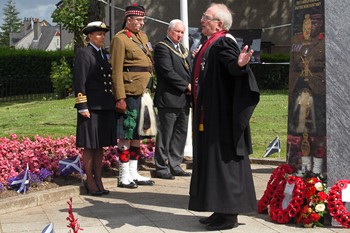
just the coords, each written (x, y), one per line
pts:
(315, 208)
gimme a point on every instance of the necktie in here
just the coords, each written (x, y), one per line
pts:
(178, 48)
(103, 57)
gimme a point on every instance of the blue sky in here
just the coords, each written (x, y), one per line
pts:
(41, 9)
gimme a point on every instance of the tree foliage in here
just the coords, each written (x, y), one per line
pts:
(95, 11)
(11, 23)
(72, 15)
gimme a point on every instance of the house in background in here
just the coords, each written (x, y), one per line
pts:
(41, 35)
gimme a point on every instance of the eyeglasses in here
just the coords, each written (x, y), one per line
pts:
(208, 18)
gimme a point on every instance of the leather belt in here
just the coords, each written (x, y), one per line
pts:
(137, 69)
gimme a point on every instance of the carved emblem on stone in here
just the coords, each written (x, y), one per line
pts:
(305, 145)
(307, 27)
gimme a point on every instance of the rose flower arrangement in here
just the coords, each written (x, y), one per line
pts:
(315, 208)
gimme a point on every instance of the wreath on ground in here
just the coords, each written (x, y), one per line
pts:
(287, 200)
(335, 204)
(276, 178)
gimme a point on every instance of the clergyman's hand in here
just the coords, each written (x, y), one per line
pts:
(85, 114)
(244, 56)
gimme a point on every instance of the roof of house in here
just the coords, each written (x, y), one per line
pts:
(47, 33)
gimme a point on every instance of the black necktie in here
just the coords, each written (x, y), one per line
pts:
(103, 57)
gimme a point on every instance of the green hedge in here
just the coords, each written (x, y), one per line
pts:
(23, 71)
(33, 63)
(34, 66)
(273, 71)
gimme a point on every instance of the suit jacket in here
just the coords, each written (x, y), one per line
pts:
(92, 81)
(173, 76)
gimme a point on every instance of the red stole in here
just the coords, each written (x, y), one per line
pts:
(197, 67)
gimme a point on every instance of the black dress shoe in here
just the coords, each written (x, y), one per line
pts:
(105, 192)
(167, 176)
(182, 173)
(212, 218)
(95, 193)
(224, 222)
(91, 193)
(144, 182)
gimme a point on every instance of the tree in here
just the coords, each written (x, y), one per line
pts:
(11, 23)
(95, 11)
(72, 15)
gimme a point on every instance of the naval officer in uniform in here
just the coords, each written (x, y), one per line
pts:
(94, 100)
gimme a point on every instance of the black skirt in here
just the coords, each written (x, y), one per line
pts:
(128, 122)
(97, 131)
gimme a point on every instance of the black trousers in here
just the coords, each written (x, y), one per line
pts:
(171, 139)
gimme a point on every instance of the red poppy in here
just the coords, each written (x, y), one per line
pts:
(321, 36)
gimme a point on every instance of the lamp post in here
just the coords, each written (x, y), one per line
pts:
(185, 41)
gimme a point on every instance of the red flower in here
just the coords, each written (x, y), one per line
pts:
(306, 221)
(321, 36)
(314, 217)
(322, 196)
(310, 192)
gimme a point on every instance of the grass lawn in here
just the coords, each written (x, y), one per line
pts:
(57, 118)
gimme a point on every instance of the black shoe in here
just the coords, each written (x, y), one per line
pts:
(223, 223)
(105, 192)
(182, 173)
(91, 193)
(95, 193)
(167, 176)
(212, 218)
(144, 182)
(132, 185)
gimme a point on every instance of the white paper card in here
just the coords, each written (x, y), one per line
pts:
(286, 200)
(289, 189)
(345, 194)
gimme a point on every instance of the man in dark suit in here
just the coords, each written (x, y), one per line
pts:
(172, 98)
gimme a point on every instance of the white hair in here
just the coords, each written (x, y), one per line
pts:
(174, 22)
(223, 14)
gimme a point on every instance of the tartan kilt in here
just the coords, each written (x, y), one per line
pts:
(128, 122)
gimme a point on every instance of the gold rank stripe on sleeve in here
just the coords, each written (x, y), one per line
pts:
(80, 98)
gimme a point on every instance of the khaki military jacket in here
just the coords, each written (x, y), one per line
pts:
(126, 53)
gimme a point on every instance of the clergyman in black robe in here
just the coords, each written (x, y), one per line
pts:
(225, 94)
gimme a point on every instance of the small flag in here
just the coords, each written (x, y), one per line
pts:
(48, 229)
(273, 147)
(69, 165)
(21, 181)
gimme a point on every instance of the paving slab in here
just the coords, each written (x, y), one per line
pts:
(153, 209)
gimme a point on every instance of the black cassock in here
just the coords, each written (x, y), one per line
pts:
(222, 178)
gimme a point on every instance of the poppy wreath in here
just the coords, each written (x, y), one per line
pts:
(277, 213)
(276, 177)
(335, 205)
